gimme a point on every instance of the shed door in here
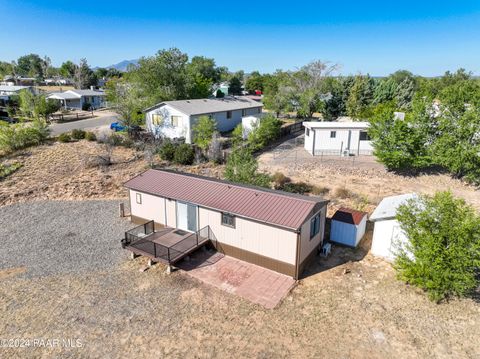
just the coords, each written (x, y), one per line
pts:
(187, 216)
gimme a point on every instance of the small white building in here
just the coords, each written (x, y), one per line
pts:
(75, 99)
(348, 226)
(387, 234)
(11, 90)
(249, 123)
(176, 119)
(337, 138)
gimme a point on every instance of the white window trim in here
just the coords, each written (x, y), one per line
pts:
(138, 198)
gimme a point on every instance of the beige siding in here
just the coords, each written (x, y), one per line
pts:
(151, 208)
(171, 213)
(307, 245)
(251, 236)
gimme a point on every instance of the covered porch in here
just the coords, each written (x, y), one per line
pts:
(166, 245)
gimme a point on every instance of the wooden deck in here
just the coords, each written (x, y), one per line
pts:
(168, 245)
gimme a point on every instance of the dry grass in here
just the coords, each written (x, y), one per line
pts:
(342, 192)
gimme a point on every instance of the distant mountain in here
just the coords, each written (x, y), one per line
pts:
(122, 65)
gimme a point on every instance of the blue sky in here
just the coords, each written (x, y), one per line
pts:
(425, 37)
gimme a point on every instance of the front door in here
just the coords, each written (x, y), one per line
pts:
(187, 216)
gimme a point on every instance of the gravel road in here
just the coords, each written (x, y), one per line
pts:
(53, 237)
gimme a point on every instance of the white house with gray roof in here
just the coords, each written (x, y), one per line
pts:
(175, 119)
(75, 99)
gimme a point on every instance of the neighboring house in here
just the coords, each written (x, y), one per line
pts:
(387, 234)
(337, 138)
(175, 119)
(273, 229)
(75, 99)
(7, 91)
(348, 226)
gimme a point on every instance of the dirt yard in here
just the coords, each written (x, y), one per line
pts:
(349, 306)
(351, 310)
(366, 181)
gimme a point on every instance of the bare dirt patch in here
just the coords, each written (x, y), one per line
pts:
(366, 181)
(61, 171)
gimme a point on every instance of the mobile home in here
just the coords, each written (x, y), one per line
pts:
(277, 230)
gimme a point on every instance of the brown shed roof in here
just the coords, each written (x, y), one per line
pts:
(269, 206)
(348, 215)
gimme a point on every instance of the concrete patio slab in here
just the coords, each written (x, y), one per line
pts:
(249, 281)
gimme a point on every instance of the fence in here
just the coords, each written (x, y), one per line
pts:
(291, 129)
(60, 117)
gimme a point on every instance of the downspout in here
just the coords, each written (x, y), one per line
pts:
(313, 142)
(297, 262)
(165, 210)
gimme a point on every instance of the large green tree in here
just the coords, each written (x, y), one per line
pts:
(442, 251)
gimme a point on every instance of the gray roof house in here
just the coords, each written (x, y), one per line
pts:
(75, 99)
(175, 119)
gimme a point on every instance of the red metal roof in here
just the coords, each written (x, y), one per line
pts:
(273, 207)
(348, 215)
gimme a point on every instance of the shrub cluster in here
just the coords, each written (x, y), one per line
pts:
(183, 154)
(7, 170)
(21, 135)
(65, 137)
(78, 134)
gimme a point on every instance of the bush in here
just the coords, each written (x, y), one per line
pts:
(78, 134)
(184, 154)
(318, 190)
(299, 187)
(167, 151)
(7, 170)
(90, 136)
(86, 106)
(267, 131)
(442, 254)
(21, 135)
(242, 167)
(64, 137)
(342, 192)
(279, 180)
(203, 131)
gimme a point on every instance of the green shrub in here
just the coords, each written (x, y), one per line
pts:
(279, 180)
(299, 187)
(203, 131)
(267, 131)
(86, 106)
(90, 136)
(7, 170)
(242, 167)
(442, 254)
(167, 151)
(21, 135)
(64, 137)
(184, 154)
(78, 134)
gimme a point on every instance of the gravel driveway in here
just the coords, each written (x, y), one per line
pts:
(54, 237)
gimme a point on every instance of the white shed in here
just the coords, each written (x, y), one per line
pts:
(337, 138)
(249, 123)
(348, 226)
(387, 234)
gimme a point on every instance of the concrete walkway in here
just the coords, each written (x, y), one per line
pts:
(251, 282)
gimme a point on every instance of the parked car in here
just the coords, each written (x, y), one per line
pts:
(117, 127)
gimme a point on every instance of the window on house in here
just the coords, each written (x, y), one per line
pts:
(229, 114)
(176, 121)
(157, 119)
(139, 198)
(228, 220)
(314, 226)
(244, 112)
(307, 131)
(364, 136)
(333, 134)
